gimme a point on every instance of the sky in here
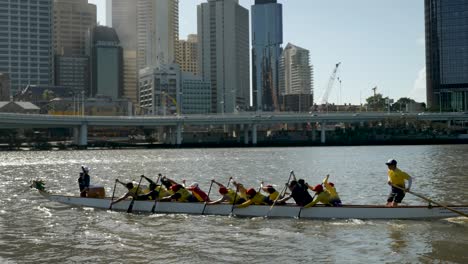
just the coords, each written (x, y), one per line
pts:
(379, 43)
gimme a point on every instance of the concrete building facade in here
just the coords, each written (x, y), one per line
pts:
(267, 38)
(295, 78)
(157, 32)
(223, 53)
(26, 48)
(73, 22)
(123, 14)
(4, 87)
(187, 57)
(169, 91)
(160, 90)
(447, 54)
(107, 69)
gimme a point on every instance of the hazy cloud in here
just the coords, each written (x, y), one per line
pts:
(418, 92)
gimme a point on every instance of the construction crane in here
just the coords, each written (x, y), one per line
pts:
(331, 82)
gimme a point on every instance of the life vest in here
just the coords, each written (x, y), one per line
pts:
(133, 191)
(184, 195)
(200, 195)
(231, 196)
(273, 196)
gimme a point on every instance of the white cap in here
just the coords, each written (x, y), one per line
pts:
(85, 168)
(194, 185)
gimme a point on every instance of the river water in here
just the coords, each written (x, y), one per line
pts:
(34, 230)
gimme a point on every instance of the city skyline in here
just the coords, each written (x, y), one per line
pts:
(380, 43)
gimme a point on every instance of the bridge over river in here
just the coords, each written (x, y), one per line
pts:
(247, 122)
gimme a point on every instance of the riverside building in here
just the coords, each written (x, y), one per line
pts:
(447, 54)
(223, 53)
(267, 38)
(73, 22)
(26, 49)
(295, 75)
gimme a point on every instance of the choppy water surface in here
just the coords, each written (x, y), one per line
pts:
(34, 230)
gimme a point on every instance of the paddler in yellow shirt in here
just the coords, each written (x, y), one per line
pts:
(330, 188)
(273, 194)
(396, 179)
(228, 195)
(255, 198)
(321, 196)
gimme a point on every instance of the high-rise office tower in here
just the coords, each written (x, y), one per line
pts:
(124, 21)
(295, 71)
(107, 66)
(26, 42)
(447, 54)
(267, 38)
(187, 56)
(4, 87)
(157, 32)
(223, 53)
(73, 21)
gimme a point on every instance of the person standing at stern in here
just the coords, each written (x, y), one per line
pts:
(396, 179)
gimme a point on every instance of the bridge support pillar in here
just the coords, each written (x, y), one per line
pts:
(254, 134)
(76, 135)
(179, 134)
(449, 124)
(246, 135)
(83, 135)
(314, 133)
(322, 134)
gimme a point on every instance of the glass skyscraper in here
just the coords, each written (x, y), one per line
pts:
(26, 42)
(447, 54)
(267, 38)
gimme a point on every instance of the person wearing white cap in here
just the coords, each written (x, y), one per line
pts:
(83, 181)
(396, 179)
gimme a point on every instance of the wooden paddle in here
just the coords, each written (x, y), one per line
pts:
(130, 207)
(281, 193)
(209, 191)
(432, 201)
(156, 199)
(113, 193)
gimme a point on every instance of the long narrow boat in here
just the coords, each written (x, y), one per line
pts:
(283, 211)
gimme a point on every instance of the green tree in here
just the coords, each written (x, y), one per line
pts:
(377, 102)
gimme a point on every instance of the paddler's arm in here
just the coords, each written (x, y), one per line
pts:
(220, 200)
(149, 180)
(245, 204)
(325, 181)
(313, 203)
(410, 181)
(283, 200)
(121, 198)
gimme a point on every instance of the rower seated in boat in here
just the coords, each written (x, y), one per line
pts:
(228, 195)
(273, 194)
(241, 190)
(200, 195)
(300, 195)
(178, 192)
(321, 196)
(330, 188)
(254, 198)
(132, 191)
(154, 192)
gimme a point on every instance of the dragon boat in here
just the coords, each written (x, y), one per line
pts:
(278, 211)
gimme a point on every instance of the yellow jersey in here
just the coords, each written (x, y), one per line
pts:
(323, 197)
(258, 199)
(398, 177)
